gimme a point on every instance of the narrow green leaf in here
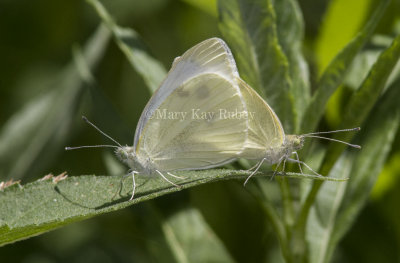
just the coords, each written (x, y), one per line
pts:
(364, 99)
(380, 132)
(231, 200)
(249, 27)
(323, 214)
(189, 237)
(364, 61)
(338, 205)
(358, 108)
(42, 124)
(151, 70)
(290, 29)
(41, 206)
(335, 73)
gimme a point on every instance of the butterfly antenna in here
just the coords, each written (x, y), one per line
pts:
(336, 131)
(106, 135)
(90, 146)
(330, 139)
(95, 146)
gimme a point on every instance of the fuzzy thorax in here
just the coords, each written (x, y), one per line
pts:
(291, 144)
(136, 163)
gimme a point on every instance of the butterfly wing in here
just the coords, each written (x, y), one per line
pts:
(265, 131)
(206, 136)
(210, 56)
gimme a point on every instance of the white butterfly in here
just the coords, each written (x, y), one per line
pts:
(186, 124)
(266, 139)
(181, 126)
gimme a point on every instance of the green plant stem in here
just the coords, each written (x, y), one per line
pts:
(299, 234)
(287, 200)
(257, 192)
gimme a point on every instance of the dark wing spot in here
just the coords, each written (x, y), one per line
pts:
(203, 92)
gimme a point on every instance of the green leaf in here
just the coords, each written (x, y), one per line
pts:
(249, 27)
(382, 127)
(41, 206)
(42, 124)
(230, 200)
(188, 236)
(322, 215)
(335, 73)
(339, 204)
(290, 29)
(357, 110)
(151, 70)
(365, 60)
(364, 99)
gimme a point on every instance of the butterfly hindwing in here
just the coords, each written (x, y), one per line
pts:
(265, 130)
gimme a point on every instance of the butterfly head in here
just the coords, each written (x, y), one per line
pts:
(127, 155)
(294, 142)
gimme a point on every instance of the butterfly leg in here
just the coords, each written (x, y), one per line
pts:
(130, 173)
(253, 167)
(165, 178)
(283, 159)
(133, 184)
(303, 163)
(258, 167)
(175, 176)
(284, 165)
(298, 162)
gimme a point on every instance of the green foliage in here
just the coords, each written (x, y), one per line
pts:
(280, 220)
(334, 75)
(46, 204)
(128, 41)
(249, 27)
(338, 205)
(41, 125)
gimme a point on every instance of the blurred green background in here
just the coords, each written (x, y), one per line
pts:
(37, 43)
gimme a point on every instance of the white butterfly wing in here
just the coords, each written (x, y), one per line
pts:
(209, 56)
(265, 131)
(206, 137)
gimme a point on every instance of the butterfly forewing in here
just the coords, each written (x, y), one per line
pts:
(198, 126)
(209, 56)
